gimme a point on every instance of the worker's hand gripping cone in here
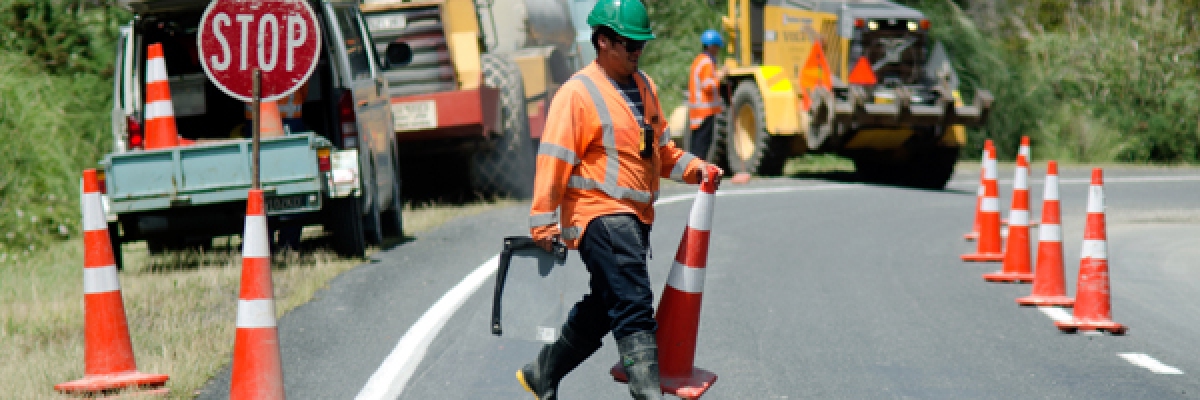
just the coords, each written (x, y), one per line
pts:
(1016, 268)
(1049, 287)
(108, 350)
(160, 112)
(257, 369)
(988, 245)
(678, 311)
(1092, 296)
(974, 234)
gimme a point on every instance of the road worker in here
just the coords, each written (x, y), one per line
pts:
(603, 151)
(703, 100)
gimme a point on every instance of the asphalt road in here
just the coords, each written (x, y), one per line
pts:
(814, 289)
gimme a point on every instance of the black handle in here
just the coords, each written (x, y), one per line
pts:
(511, 244)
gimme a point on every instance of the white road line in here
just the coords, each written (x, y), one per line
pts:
(1085, 181)
(1057, 314)
(392, 376)
(389, 380)
(1147, 362)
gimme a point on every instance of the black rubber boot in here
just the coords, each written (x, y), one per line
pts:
(639, 356)
(541, 377)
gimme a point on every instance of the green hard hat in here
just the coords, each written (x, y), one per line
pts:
(627, 17)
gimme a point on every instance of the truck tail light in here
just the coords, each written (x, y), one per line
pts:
(348, 121)
(323, 160)
(100, 178)
(134, 129)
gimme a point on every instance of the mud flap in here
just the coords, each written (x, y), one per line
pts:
(531, 290)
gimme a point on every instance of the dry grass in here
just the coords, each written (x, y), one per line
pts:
(181, 307)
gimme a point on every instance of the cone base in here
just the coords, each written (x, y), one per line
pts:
(110, 382)
(1060, 301)
(983, 257)
(687, 387)
(1090, 325)
(971, 237)
(1009, 277)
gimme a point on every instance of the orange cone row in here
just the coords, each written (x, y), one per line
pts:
(1092, 305)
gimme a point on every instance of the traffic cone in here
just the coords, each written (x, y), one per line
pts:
(1023, 150)
(1016, 252)
(974, 234)
(679, 309)
(257, 369)
(160, 112)
(988, 245)
(108, 351)
(1092, 309)
(1049, 287)
(270, 124)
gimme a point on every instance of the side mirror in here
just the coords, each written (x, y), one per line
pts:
(398, 54)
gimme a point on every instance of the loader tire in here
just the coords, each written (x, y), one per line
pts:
(344, 223)
(749, 147)
(934, 169)
(504, 165)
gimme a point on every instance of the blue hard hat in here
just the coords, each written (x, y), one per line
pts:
(711, 37)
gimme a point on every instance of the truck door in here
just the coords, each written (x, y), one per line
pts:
(362, 79)
(125, 89)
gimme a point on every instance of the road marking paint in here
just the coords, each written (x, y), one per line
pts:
(770, 190)
(1056, 313)
(392, 376)
(1147, 362)
(1107, 180)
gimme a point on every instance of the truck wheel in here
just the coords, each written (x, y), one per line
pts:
(114, 239)
(504, 166)
(934, 169)
(344, 225)
(750, 148)
(393, 220)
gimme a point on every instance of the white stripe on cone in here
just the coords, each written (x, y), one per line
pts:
(93, 213)
(1094, 249)
(1051, 190)
(256, 313)
(156, 70)
(702, 212)
(1095, 199)
(990, 168)
(255, 239)
(1021, 180)
(1018, 217)
(159, 109)
(686, 279)
(1050, 233)
(100, 280)
(990, 204)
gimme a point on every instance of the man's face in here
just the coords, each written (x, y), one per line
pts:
(624, 52)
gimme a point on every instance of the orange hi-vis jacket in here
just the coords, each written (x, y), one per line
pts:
(289, 106)
(590, 164)
(702, 91)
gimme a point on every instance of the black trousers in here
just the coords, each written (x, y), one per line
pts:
(615, 249)
(702, 138)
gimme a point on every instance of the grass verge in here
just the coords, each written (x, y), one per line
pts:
(180, 307)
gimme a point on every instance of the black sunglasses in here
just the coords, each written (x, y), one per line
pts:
(630, 45)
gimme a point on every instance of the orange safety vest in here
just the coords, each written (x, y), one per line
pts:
(289, 107)
(702, 91)
(590, 164)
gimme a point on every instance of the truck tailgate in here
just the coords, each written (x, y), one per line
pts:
(212, 173)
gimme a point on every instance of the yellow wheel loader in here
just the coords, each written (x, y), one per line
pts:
(857, 78)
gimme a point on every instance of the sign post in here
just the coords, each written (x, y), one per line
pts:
(258, 51)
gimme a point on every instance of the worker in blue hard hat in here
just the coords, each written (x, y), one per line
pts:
(704, 103)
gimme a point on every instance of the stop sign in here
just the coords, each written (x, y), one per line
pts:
(280, 37)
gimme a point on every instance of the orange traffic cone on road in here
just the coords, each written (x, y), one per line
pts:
(108, 351)
(1049, 286)
(1093, 311)
(1023, 150)
(257, 367)
(160, 112)
(988, 245)
(1016, 267)
(270, 124)
(679, 309)
(983, 162)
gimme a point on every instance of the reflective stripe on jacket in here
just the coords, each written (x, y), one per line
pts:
(702, 91)
(289, 106)
(589, 163)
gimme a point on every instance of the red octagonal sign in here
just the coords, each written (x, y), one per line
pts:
(280, 37)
